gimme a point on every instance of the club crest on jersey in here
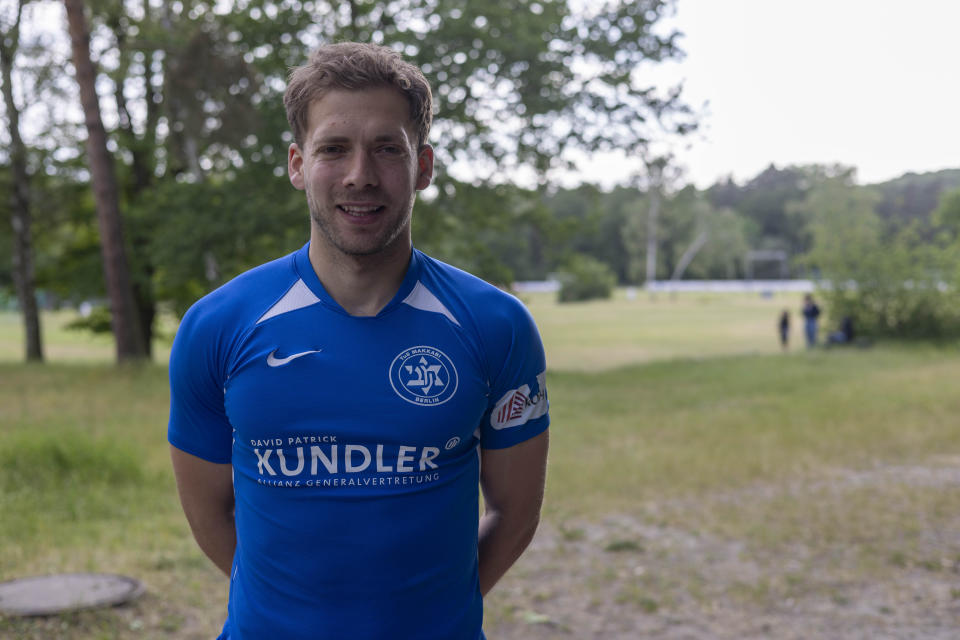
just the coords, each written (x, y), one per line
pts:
(424, 376)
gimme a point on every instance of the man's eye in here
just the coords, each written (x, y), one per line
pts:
(391, 149)
(329, 149)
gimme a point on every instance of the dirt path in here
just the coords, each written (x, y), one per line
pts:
(624, 577)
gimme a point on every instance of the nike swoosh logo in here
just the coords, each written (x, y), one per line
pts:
(273, 361)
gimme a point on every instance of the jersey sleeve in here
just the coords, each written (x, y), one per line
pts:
(198, 420)
(518, 407)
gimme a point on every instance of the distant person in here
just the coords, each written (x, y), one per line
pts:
(845, 334)
(784, 326)
(811, 320)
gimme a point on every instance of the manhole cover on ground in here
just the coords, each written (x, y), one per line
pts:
(46, 595)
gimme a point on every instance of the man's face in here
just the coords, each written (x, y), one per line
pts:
(360, 168)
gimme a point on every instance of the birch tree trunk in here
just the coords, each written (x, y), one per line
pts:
(655, 170)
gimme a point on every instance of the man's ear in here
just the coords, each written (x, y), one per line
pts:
(295, 166)
(424, 167)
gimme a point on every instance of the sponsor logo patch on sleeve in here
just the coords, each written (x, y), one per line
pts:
(517, 406)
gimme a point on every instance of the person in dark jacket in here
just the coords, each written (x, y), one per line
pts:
(784, 327)
(811, 315)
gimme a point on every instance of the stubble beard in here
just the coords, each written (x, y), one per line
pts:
(368, 246)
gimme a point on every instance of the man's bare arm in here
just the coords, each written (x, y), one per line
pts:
(206, 493)
(512, 482)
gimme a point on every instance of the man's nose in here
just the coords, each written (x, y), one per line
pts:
(361, 171)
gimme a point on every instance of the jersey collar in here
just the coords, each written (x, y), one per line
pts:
(309, 277)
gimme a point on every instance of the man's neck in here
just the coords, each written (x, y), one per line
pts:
(362, 285)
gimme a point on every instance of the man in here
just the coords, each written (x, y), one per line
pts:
(811, 315)
(332, 411)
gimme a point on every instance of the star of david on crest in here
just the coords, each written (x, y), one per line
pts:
(426, 376)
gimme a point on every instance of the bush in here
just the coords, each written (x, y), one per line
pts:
(585, 278)
(906, 310)
(894, 281)
(901, 288)
(99, 320)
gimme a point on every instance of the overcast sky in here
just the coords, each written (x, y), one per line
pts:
(869, 83)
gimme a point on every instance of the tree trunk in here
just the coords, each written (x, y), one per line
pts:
(142, 151)
(690, 254)
(130, 344)
(652, 215)
(23, 273)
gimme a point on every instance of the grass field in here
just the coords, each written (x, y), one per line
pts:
(623, 331)
(701, 484)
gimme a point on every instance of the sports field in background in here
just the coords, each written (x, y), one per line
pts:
(631, 328)
(702, 484)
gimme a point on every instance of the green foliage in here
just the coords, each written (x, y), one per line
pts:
(66, 236)
(890, 282)
(947, 213)
(912, 197)
(764, 201)
(899, 291)
(545, 100)
(686, 217)
(201, 139)
(478, 228)
(222, 69)
(609, 226)
(201, 136)
(612, 228)
(769, 204)
(99, 320)
(583, 219)
(585, 278)
(722, 256)
(198, 235)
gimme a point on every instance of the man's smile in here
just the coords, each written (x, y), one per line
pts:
(359, 211)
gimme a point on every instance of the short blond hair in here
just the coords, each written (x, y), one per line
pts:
(354, 66)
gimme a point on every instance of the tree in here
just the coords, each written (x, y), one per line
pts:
(661, 175)
(947, 214)
(946, 218)
(497, 232)
(655, 171)
(698, 235)
(914, 196)
(585, 278)
(192, 104)
(721, 256)
(130, 344)
(518, 84)
(604, 225)
(890, 281)
(20, 216)
(845, 228)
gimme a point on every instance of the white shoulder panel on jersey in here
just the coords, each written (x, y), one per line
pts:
(297, 297)
(421, 298)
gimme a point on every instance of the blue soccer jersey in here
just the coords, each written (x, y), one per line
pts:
(355, 444)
